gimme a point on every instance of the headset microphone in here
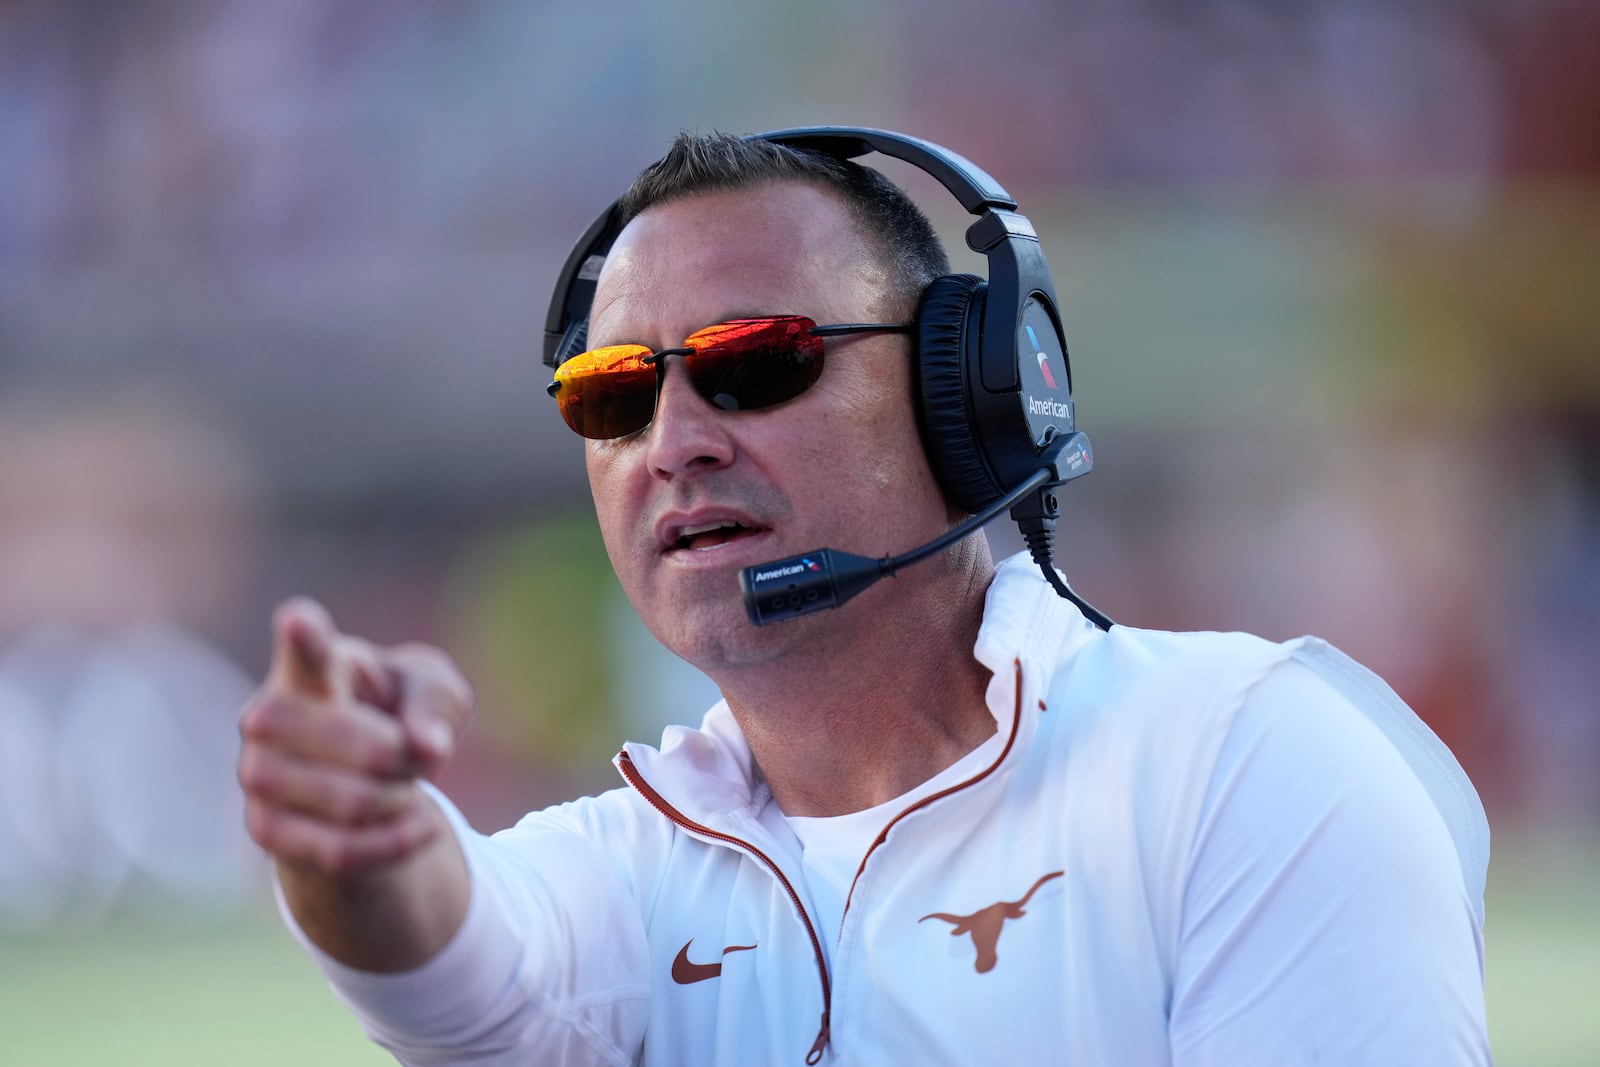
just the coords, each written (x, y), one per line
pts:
(799, 585)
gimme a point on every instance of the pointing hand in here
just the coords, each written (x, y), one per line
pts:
(336, 739)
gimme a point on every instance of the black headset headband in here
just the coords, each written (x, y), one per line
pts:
(1016, 265)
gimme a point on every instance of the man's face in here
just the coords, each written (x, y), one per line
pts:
(700, 493)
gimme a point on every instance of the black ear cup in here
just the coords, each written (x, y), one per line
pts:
(949, 318)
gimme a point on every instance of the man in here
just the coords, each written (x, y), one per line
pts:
(952, 822)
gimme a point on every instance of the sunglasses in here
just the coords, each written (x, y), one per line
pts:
(740, 365)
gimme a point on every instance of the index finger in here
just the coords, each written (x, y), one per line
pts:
(302, 647)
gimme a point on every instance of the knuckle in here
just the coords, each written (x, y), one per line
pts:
(381, 756)
(267, 714)
(253, 718)
(356, 806)
(262, 826)
(341, 804)
(253, 773)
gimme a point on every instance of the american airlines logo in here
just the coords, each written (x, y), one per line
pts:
(784, 572)
(1053, 408)
(1044, 360)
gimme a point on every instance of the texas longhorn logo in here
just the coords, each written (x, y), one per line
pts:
(984, 926)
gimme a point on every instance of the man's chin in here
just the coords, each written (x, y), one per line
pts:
(714, 634)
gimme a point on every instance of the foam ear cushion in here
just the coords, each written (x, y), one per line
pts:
(948, 320)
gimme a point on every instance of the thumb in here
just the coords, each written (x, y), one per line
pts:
(435, 703)
(302, 647)
(432, 739)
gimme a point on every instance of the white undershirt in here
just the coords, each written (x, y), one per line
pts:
(834, 845)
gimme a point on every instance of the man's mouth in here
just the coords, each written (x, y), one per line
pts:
(710, 535)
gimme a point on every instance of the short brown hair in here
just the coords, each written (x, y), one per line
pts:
(720, 162)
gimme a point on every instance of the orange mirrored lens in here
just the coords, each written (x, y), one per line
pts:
(749, 364)
(607, 392)
(741, 365)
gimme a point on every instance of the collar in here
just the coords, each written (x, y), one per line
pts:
(1026, 625)
(710, 775)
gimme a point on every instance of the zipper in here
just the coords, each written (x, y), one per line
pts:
(657, 801)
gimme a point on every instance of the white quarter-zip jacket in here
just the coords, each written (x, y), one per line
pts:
(1190, 849)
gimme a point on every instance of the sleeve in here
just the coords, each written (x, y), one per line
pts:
(549, 966)
(1325, 917)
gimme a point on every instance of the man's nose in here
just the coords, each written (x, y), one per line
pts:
(687, 433)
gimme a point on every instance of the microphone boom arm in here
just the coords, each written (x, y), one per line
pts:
(826, 578)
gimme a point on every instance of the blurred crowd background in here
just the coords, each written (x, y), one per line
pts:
(273, 276)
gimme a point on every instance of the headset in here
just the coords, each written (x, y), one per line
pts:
(992, 380)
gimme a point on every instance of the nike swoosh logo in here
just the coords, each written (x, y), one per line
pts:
(686, 972)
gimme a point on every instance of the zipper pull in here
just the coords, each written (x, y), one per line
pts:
(815, 1055)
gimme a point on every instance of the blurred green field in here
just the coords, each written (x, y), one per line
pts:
(1543, 942)
(159, 995)
(240, 994)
